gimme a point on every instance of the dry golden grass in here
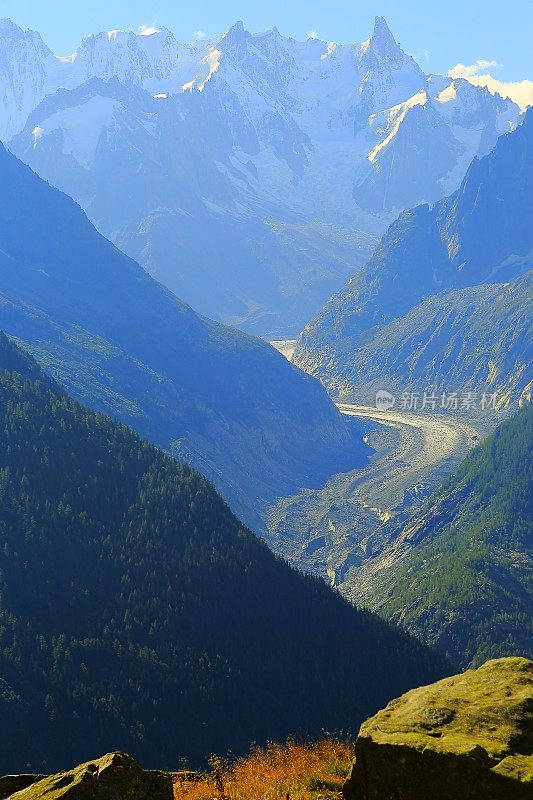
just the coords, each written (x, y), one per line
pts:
(279, 772)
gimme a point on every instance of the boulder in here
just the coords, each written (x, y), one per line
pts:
(115, 776)
(469, 737)
(9, 784)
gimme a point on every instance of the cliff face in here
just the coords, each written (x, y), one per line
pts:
(468, 737)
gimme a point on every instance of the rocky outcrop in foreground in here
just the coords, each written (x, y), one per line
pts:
(115, 776)
(9, 784)
(468, 737)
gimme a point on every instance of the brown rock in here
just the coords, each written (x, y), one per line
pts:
(9, 784)
(469, 737)
(115, 776)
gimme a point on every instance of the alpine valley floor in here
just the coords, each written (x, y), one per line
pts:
(331, 531)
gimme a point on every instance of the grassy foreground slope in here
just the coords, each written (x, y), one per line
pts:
(300, 771)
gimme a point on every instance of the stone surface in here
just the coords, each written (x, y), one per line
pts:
(115, 776)
(468, 737)
(9, 784)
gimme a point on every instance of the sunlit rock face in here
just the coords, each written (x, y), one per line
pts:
(469, 736)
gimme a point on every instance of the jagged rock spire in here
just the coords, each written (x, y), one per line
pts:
(382, 33)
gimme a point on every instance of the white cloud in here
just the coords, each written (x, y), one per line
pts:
(199, 34)
(464, 71)
(520, 92)
(147, 30)
(312, 34)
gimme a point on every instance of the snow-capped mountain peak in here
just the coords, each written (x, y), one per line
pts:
(237, 33)
(29, 71)
(258, 128)
(8, 28)
(25, 66)
(145, 59)
(382, 36)
(389, 76)
(382, 45)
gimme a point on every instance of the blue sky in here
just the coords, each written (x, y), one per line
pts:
(439, 33)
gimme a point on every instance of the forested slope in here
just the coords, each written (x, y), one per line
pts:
(460, 574)
(136, 612)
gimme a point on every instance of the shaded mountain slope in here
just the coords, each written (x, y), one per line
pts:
(477, 339)
(230, 404)
(137, 612)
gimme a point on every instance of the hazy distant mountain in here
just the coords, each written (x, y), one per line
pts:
(476, 339)
(137, 612)
(460, 573)
(253, 174)
(30, 71)
(397, 324)
(228, 403)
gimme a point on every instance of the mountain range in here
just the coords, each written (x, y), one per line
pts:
(444, 305)
(445, 301)
(154, 193)
(137, 612)
(252, 174)
(222, 400)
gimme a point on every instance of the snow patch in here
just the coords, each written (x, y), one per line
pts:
(81, 126)
(389, 121)
(447, 95)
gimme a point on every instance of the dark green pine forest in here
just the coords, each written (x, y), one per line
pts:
(136, 612)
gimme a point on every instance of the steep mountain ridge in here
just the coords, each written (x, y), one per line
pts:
(26, 64)
(397, 323)
(30, 71)
(446, 344)
(145, 59)
(138, 613)
(228, 403)
(309, 135)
